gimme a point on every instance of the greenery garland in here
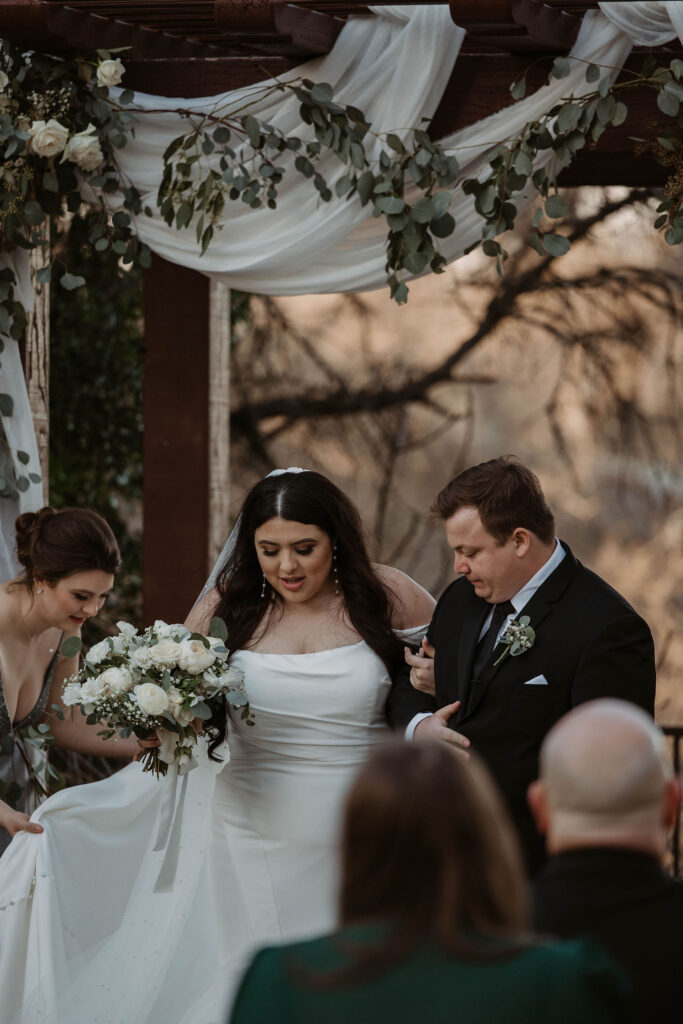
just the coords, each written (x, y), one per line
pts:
(60, 130)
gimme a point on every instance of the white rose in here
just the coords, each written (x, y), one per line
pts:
(110, 72)
(116, 680)
(72, 695)
(125, 629)
(4, 81)
(98, 652)
(151, 698)
(183, 716)
(48, 139)
(84, 149)
(92, 689)
(195, 657)
(141, 658)
(165, 653)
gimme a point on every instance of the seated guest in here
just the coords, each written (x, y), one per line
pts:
(433, 916)
(606, 801)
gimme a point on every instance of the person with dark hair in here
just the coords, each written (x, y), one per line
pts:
(316, 629)
(434, 923)
(523, 635)
(69, 559)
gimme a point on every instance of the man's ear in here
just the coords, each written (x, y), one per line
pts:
(537, 799)
(521, 538)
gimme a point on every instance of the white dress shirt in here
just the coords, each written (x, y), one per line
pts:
(518, 602)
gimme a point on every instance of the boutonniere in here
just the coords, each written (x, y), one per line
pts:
(518, 637)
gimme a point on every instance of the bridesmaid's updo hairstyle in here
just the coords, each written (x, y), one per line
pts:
(309, 498)
(53, 545)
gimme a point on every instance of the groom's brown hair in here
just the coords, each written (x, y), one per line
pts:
(507, 495)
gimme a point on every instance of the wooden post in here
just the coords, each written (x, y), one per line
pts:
(186, 446)
(37, 358)
(219, 420)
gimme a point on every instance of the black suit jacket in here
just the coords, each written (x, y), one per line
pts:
(625, 901)
(589, 643)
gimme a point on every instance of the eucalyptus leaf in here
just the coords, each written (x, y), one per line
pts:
(72, 646)
(71, 281)
(218, 629)
(555, 206)
(556, 245)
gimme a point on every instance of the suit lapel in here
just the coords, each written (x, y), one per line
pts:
(537, 608)
(473, 620)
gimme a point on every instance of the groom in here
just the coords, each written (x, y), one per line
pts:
(585, 640)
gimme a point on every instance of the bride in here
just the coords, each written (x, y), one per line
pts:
(141, 905)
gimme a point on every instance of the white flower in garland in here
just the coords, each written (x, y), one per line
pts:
(48, 138)
(84, 149)
(109, 72)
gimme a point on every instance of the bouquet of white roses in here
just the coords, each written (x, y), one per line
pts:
(159, 681)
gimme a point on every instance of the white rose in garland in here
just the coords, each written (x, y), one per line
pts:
(195, 657)
(116, 680)
(109, 72)
(151, 698)
(165, 653)
(84, 150)
(48, 137)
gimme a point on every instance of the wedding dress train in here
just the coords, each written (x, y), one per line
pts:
(142, 899)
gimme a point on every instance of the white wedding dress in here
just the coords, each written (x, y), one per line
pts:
(142, 900)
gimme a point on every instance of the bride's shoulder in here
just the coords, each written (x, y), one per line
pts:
(200, 617)
(411, 604)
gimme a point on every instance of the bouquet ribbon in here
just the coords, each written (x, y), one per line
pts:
(170, 828)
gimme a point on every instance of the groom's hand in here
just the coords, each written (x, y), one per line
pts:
(436, 728)
(421, 667)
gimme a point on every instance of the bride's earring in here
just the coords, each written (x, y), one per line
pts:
(263, 587)
(335, 570)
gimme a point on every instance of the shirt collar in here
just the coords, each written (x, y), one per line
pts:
(524, 595)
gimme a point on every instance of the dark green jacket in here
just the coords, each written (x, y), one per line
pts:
(557, 983)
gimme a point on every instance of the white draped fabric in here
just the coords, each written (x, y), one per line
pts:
(394, 66)
(18, 427)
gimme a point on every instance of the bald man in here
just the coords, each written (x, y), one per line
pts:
(606, 801)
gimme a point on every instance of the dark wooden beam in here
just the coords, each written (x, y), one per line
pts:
(176, 441)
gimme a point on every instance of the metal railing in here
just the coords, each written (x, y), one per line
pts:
(675, 734)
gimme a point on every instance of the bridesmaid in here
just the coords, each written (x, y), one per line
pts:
(69, 561)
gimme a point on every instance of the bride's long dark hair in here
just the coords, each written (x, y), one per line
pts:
(312, 499)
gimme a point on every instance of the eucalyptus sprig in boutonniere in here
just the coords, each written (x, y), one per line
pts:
(518, 637)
